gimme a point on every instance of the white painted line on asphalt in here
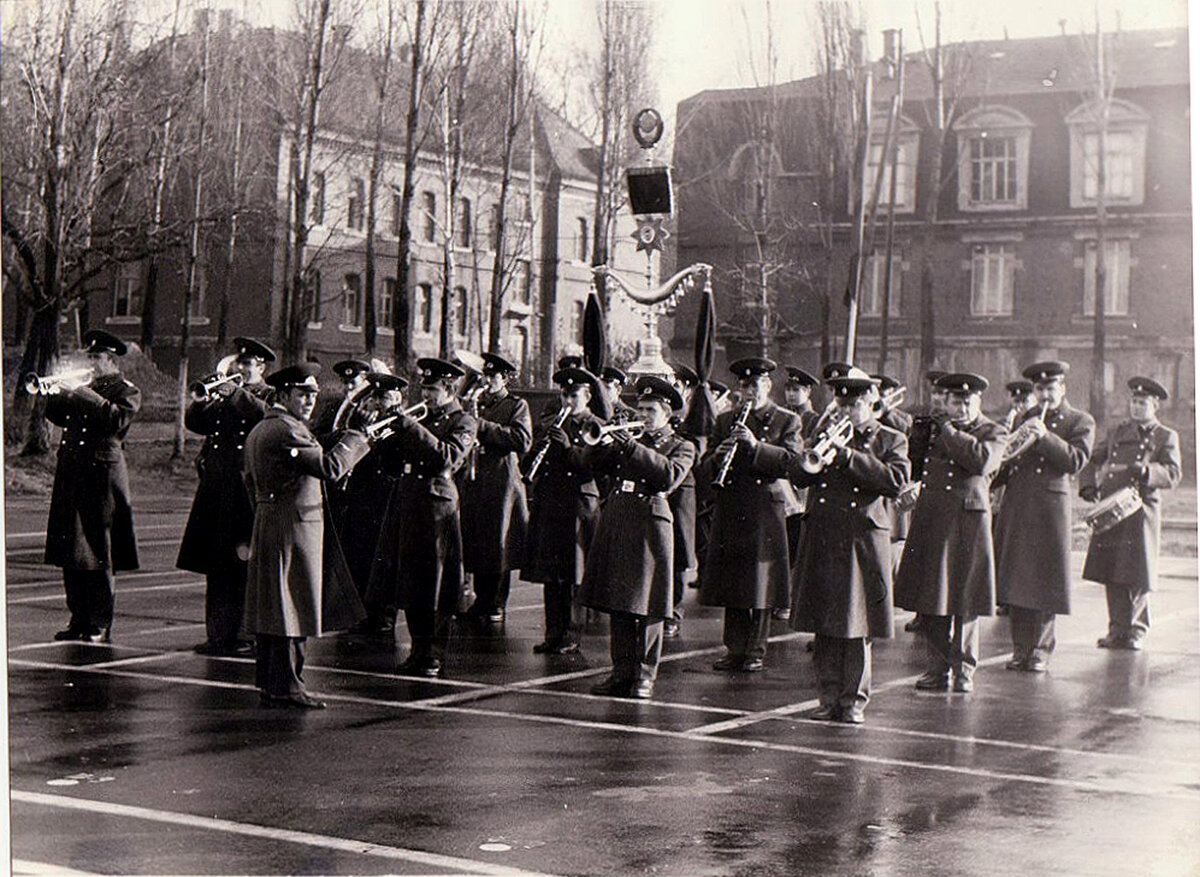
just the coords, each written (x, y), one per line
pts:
(140, 659)
(122, 577)
(141, 528)
(142, 543)
(266, 832)
(46, 598)
(171, 628)
(26, 866)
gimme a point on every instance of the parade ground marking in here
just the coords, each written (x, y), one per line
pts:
(266, 832)
(47, 598)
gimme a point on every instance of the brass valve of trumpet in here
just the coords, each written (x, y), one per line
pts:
(826, 445)
(203, 388)
(595, 434)
(382, 428)
(36, 385)
(1023, 437)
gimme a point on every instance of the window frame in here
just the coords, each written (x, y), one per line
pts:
(349, 291)
(873, 274)
(1125, 119)
(423, 310)
(1116, 299)
(993, 122)
(429, 214)
(1007, 264)
(316, 200)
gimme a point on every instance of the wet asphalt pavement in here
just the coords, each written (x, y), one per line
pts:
(143, 757)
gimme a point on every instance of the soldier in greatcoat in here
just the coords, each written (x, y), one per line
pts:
(564, 507)
(353, 375)
(420, 548)
(89, 533)
(494, 507)
(797, 396)
(630, 564)
(288, 597)
(843, 575)
(746, 566)
(1142, 453)
(216, 540)
(947, 572)
(1033, 532)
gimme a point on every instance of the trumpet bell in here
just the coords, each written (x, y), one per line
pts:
(594, 433)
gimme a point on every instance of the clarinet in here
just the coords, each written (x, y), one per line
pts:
(727, 460)
(545, 447)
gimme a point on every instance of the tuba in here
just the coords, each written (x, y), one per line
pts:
(1022, 438)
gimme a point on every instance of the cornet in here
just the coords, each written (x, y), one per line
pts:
(381, 428)
(890, 399)
(825, 447)
(1023, 438)
(51, 384)
(595, 434)
(204, 387)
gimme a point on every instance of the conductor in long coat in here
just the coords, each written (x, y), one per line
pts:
(1143, 454)
(1033, 530)
(630, 567)
(216, 540)
(947, 571)
(420, 549)
(89, 533)
(285, 587)
(746, 565)
(495, 512)
(843, 571)
(564, 508)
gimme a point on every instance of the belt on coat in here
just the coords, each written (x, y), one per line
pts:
(632, 487)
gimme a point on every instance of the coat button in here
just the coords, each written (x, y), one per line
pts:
(853, 505)
(824, 484)
(822, 499)
(947, 486)
(1038, 471)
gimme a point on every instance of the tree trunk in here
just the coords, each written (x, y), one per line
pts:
(41, 351)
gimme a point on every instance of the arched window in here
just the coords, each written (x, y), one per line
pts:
(993, 159)
(1124, 153)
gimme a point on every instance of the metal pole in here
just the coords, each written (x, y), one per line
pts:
(860, 220)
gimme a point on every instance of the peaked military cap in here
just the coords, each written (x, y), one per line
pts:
(612, 373)
(933, 375)
(431, 370)
(962, 382)
(99, 341)
(718, 388)
(495, 364)
(574, 376)
(686, 376)
(651, 387)
(854, 383)
(1022, 386)
(886, 382)
(348, 368)
(302, 374)
(571, 360)
(800, 377)
(832, 370)
(1041, 372)
(383, 382)
(751, 366)
(1147, 387)
(248, 348)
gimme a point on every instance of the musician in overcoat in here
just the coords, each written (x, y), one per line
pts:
(420, 547)
(288, 598)
(745, 569)
(564, 508)
(216, 539)
(947, 572)
(629, 571)
(89, 532)
(843, 574)
(1143, 454)
(353, 375)
(1033, 532)
(495, 512)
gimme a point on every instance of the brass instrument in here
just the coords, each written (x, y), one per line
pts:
(825, 446)
(595, 434)
(727, 461)
(36, 385)
(534, 466)
(890, 399)
(381, 428)
(1022, 438)
(204, 387)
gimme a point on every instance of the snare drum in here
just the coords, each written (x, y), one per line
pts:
(1113, 509)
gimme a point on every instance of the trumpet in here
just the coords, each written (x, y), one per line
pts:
(1022, 438)
(204, 387)
(36, 385)
(825, 447)
(890, 399)
(595, 434)
(534, 466)
(727, 461)
(381, 428)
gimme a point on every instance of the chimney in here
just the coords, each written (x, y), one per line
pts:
(891, 51)
(226, 20)
(200, 21)
(858, 50)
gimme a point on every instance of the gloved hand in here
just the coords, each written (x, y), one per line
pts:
(623, 441)
(361, 418)
(559, 436)
(1089, 493)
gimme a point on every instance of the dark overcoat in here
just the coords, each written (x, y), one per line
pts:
(1127, 554)
(900, 421)
(842, 580)
(746, 564)
(287, 591)
(495, 513)
(418, 560)
(1033, 529)
(358, 504)
(949, 564)
(217, 536)
(630, 565)
(564, 507)
(91, 511)
(683, 510)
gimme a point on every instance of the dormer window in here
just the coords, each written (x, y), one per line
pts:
(993, 160)
(907, 139)
(1124, 153)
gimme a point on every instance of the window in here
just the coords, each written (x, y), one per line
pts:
(462, 311)
(317, 199)
(992, 269)
(311, 304)
(396, 202)
(520, 207)
(352, 301)
(199, 295)
(424, 309)
(520, 281)
(1116, 277)
(870, 302)
(387, 302)
(581, 241)
(518, 344)
(1124, 151)
(429, 215)
(575, 331)
(906, 155)
(464, 223)
(993, 159)
(493, 228)
(1118, 169)
(127, 295)
(354, 205)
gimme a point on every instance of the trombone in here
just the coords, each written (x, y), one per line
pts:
(826, 445)
(36, 385)
(595, 434)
